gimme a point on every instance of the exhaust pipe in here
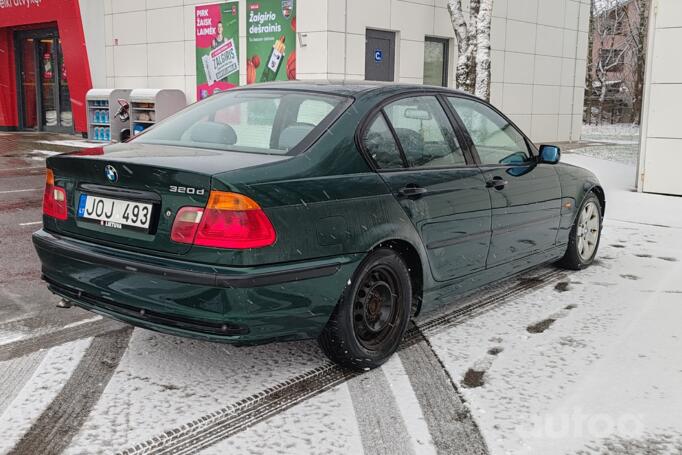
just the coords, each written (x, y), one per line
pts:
(63, 303)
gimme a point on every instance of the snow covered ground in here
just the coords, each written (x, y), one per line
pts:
(584, 362)
(618, 142)
(593, 364)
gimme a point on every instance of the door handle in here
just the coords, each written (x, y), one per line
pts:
(497, 182)
(412, 191)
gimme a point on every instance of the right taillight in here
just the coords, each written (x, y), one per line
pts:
(230, 220)
(54, 198)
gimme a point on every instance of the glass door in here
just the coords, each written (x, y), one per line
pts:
(49, 116)
(44, 98)
(28, 107)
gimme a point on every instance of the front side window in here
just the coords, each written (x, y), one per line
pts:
(424, 132)
(257, 121)
(496, 140)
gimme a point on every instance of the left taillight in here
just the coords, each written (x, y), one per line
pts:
(54, 198)
(229, 220)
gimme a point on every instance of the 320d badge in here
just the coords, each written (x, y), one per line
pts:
(278, 212)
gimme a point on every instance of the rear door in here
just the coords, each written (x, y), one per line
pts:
(419, 155)
(525, 195)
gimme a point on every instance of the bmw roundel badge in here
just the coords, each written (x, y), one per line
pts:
(111, 173)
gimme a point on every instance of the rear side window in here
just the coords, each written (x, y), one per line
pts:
(254, 121)
(497, 141)
(381, 146)
(425, 133)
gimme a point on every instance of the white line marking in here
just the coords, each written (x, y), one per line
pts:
(73, 143)
(409, 407)
(81, 322)
(19, 191)
(31, 223)
(46, 152)
(21, 168)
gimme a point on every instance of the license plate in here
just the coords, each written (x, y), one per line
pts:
(114, 213)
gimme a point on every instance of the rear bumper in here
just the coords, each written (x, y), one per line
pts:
(227, 304)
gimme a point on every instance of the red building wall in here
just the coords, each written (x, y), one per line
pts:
(26, 14)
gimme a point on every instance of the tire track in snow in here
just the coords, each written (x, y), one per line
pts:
(382, 428)
(52, 432)
(227, 421)
(450, 424)
(14, 374)
(63, 335)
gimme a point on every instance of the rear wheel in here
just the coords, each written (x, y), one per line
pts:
(585, 235)
(371, 318)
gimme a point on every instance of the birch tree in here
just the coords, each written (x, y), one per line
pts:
(472, 73)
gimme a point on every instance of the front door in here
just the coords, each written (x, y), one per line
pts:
(419, 156)
(525, 195)
(44, 101)
(379, 55)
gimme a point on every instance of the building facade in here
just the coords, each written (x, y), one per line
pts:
(661, 137)
(539, 52)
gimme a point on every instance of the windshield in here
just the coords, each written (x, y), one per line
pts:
(254, 121)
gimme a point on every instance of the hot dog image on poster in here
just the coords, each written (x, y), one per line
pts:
(217, 47)
(271, 40)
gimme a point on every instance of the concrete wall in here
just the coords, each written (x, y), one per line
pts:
(538, 59)
(661, 142)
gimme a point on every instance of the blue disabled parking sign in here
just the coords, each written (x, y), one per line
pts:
(378, 55)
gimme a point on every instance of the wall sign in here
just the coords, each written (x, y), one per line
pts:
(378, 55)
(18, 3)
(271, 40)
(217, 47)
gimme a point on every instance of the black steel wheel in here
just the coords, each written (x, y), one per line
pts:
(371, 318)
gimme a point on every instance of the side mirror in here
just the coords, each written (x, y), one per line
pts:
(549, 154)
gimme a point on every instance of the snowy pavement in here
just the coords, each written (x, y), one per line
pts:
(549, 362)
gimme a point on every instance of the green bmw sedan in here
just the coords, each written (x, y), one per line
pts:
(335, 211)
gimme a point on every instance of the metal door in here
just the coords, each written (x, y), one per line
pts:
(379, 55)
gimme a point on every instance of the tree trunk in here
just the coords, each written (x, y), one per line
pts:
(589, 79)
(640, 68)
(459, 25)
(473, 43)
(483, 49)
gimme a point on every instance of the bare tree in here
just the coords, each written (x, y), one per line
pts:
(472, 72)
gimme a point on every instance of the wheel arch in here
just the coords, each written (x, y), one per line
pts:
(409, 253)
(599, 192)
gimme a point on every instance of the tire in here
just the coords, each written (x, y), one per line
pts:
(371, 317)
(583, 241)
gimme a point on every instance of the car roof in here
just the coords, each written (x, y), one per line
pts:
(347, 87)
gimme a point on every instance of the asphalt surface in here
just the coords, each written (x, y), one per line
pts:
(24, 301)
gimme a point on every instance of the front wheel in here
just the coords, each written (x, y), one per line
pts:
(585, 235)
(371, 318)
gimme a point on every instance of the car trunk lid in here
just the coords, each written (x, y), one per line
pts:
(164, 178)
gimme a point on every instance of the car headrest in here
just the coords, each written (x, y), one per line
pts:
(292, 135)
(213, 133)
(413, 144)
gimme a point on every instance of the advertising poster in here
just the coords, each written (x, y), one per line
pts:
(271, 40)
(217, 45)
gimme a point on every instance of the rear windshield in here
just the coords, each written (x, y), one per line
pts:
(254, 121)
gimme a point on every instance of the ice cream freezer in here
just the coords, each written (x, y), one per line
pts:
(148, 106)
(102, 105)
